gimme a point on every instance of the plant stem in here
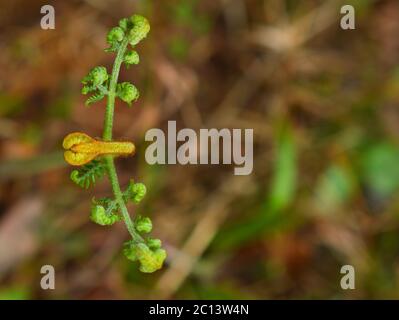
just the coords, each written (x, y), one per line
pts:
(113, 178)
(107, 136)
(109, 111)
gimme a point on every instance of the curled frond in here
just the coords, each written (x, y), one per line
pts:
(99, 215)
(131, 57)
(143, 224)
(114, 39)
(88, 174)
(135, 192)
(139, 30)
(94, 82)
(96, 76)
(115, 35)
(94, 98)
(150, 260)
(127, 92)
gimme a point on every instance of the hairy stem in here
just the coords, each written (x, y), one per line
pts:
(113, 178)
(109, 111)
(107, 136)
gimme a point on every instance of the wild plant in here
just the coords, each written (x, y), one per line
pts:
(95, 158)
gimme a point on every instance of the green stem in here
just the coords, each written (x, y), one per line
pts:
(113, 178)
(109, 111)
(107, 136)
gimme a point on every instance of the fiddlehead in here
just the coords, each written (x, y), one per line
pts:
(96, 157)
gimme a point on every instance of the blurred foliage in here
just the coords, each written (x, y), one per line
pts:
(334, 188)
(14, 293)
(380, 168)
(324, 192)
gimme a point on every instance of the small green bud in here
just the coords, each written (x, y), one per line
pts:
(132, 57)
(115, 34)
(98, 75)
(99, 216)
(143, 224)
(154, 244)
(139, 30)
(127, 92)
(137, 191)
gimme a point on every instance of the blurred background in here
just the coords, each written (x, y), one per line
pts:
(323, 103)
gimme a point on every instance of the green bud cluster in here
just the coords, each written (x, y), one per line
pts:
(150, 255)
(129, 31)
(134, 29)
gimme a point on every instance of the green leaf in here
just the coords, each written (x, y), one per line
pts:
(88, 174)
(285, 171)
(94, 98)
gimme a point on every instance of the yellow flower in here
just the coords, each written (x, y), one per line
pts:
(81, 148)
